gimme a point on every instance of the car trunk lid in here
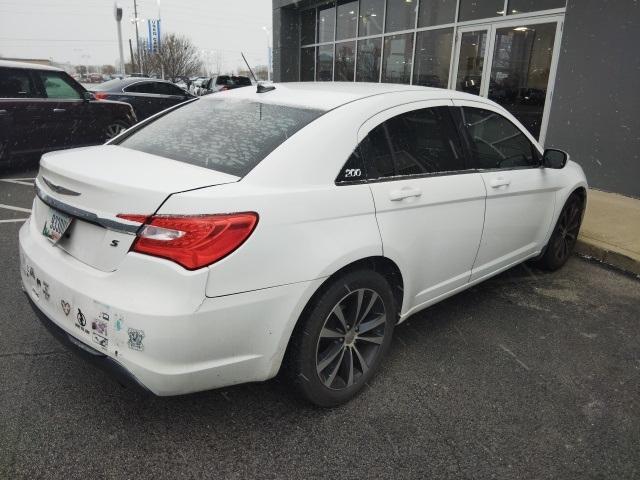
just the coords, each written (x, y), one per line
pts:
(93, 185)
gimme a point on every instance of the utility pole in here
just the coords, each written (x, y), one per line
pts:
(133, 60)
(135, 19)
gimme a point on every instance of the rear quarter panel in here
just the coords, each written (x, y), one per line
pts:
(303, 233)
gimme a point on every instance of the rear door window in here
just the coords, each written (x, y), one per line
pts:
(418, 142)
(167, 89)
(16, 83)
(228, 135)
(142, 87)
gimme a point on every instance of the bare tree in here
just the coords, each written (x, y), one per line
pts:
(178, 57)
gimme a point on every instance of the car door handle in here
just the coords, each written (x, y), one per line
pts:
(499, 182)
(3, 112)
(59, 110)
(397, 195)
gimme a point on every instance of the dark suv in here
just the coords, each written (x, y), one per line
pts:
(43, 108)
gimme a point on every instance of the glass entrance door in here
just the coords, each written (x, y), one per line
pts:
(512, 64)
(470, 60)
(520, 69)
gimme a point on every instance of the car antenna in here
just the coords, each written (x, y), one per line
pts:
(261, 88)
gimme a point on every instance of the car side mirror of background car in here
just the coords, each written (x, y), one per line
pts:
(88, 96)
(554, 158)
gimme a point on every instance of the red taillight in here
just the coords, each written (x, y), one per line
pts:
(100, 95)
(192, 241)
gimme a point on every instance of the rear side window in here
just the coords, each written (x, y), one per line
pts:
(244, 81)
(167, 89)
(414, 143)
(142, 87)
(58, 85)
(228, 135)
(496, 142)
(15, 83)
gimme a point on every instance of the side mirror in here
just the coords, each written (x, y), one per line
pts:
(554, 158)
(88, 96)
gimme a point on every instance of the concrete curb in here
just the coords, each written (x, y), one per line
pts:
(603, 253)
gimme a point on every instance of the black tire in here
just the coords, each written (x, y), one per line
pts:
(564, 236)
(319, 334)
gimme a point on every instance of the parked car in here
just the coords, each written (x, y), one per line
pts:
(147, 96)
(293, 226)
(196, 82)
(223, 82)
(43, 108)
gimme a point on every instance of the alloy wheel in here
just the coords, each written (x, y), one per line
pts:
(114, 130)
(351, 339)
(568, 228)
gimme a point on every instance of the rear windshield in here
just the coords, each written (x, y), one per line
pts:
(228, 135)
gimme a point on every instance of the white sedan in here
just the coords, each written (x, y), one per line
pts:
(241, 233)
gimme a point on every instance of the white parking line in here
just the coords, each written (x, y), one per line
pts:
(17, 209)
(14, 220)
(19, 182)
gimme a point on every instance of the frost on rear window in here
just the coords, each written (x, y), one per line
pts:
(228, 135)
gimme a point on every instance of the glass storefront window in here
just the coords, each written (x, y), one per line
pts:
(368, 69)
(522, 6)
(324, 63)
(308, 64)
(436, 12)
(347, 20)
(396, 62)
(520, 71)
(345, 61)
(433, 56)
(476, 9)
(308, 27)
(371, 16)
(326, 23)
(401, 15)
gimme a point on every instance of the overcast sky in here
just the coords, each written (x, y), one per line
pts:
(84, 31)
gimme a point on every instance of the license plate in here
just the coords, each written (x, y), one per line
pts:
(56, 223)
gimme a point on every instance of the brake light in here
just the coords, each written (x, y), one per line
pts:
(100, 95)
(192, 241)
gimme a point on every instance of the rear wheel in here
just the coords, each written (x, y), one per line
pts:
(342, 338)
(114, 129)
(564, 236)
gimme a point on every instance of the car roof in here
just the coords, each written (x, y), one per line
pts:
(29, 66)
(120, 83)
(330, 95)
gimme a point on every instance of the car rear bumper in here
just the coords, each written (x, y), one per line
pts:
(149, 330)
(90, 354)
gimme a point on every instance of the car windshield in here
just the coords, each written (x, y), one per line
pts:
(228, 135)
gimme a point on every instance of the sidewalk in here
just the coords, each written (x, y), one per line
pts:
(611, 230)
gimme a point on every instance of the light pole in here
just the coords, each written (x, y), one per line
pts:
(268, 33)
(136, 20)
(117, 12)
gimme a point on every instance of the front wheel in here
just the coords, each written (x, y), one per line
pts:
(564, 236)
(342, 338)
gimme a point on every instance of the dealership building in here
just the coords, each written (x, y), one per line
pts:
(569, 70)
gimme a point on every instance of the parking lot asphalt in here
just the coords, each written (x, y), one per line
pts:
(530, 375)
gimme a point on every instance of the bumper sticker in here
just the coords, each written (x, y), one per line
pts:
(66, 307)
(100, 340)
(135, 339)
